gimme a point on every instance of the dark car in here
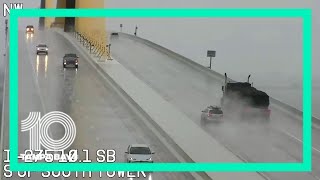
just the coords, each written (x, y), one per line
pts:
(70, 60)
(30, 29)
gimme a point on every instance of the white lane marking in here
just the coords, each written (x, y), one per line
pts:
(292, 136)
(289, 113)
(36, 81)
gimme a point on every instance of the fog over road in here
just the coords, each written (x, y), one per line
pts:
(261, 47)
(192, 90)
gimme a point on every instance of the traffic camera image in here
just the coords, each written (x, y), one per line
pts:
(112, 90)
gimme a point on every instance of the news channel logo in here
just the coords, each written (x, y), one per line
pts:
(38, 128)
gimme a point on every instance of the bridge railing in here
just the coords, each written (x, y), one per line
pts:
(95, 42)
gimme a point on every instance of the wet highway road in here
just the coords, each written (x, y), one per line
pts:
(192, 90)
(103, 119)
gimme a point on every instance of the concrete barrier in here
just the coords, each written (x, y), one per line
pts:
(196, 144)
(284, 106)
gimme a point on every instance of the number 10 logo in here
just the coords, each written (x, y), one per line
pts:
(39, 130)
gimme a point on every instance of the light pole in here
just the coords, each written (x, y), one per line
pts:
(6, 32)
(109, 53)
(211, 54)
(135, 31)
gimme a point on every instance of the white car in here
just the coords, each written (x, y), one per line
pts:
(139, 153)
(212, 113)
(42, 48)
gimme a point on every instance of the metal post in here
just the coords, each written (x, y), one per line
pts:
(211, 54)
(6, 33)
(135, 32)
(109, 53)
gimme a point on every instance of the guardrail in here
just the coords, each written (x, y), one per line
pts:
(95, 42)
(315, 120)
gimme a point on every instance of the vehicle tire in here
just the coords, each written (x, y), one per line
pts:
(77, 66)
(37, 53)
(64, 66)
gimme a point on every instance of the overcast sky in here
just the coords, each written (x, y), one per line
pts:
(244, 43)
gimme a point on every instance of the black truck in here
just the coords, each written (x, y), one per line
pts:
(243, 98)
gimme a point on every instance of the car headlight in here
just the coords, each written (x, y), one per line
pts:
(149, 159)
(38, 48)
(27, 29)
(130, 159)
